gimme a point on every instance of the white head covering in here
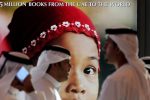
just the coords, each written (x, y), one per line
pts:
(128, 43)
(46, 58)
(9, 70)
(8, 76)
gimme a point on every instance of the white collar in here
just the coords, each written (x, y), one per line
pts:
(55, 83)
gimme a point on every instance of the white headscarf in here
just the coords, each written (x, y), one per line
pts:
(6, 80)
(9, 72)
(46, 58)
(128, 44)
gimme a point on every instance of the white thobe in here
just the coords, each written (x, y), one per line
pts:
(125, 84)
(15, 94)
(49, 86)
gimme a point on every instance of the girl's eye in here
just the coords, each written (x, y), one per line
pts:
(90, 70)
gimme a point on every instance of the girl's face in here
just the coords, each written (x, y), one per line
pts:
(82, 83)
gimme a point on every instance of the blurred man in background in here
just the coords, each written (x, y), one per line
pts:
(130, 81)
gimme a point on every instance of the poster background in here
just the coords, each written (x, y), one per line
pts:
(102, 17)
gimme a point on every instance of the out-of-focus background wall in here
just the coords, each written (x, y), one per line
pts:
(101, 16)
(6, 14)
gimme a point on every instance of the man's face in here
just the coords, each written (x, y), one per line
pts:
(110, 51)
(82, 83)
(62, 68)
